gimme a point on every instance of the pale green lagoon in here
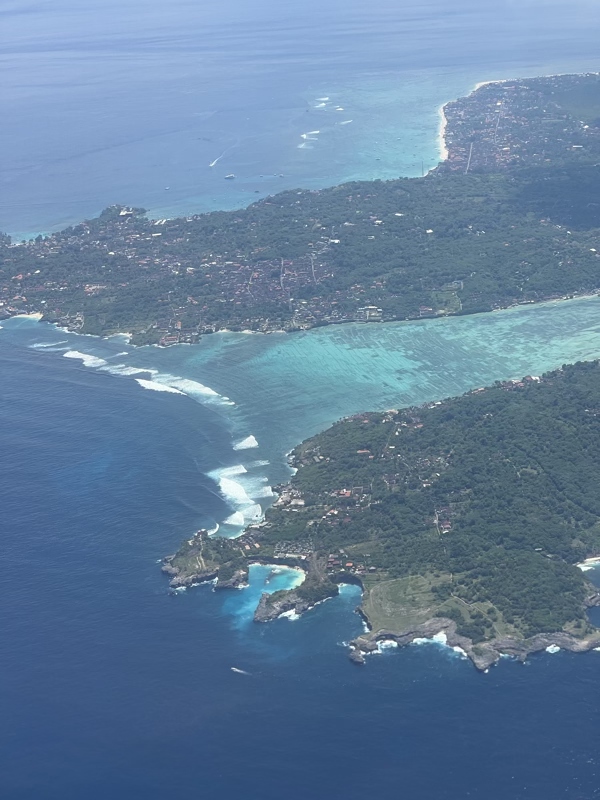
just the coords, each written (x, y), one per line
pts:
(287, 387)
(272, 391)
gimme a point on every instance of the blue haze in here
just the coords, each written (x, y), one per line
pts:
(113, 102)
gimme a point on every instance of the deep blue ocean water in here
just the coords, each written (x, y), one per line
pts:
(111, 687)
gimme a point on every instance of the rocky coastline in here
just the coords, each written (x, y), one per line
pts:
(180, 579)
(483, 655)
(270, 608)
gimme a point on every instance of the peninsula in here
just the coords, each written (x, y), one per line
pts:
(465, 518)
(511, 216)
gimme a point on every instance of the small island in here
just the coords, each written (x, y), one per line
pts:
(464, 518)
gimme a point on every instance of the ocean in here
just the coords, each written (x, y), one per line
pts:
(132, 103)
(110, 687)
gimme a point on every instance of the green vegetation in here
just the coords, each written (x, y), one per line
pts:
(512, 216)
(476, 508)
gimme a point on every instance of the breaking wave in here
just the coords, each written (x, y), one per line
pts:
(195, 389)
(88, 361)
(157, 387)
(123, 369)
(236, 519)
(246, 444)
(241, 490)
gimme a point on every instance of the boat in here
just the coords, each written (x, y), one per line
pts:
(229, 177)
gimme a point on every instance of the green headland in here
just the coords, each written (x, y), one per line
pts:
(466, 516)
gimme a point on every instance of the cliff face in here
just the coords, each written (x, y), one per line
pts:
(483, 655)
(270, 608)
(237, 580)
(186, 578)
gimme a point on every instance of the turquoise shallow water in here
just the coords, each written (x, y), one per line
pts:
(308, 380)
(271, 392)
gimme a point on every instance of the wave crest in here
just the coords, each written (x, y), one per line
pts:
(88, 360)
(157, 387)
(246, 444)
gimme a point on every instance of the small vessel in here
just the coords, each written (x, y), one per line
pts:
(240, 671)
(229, 177)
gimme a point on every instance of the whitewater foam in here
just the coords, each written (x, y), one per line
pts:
(291, 615)
(236, 519)
(124, 370)
(234, 492)
(246, 444)
(157, 387)
(88, 360)
(238, 469)
(194, 389)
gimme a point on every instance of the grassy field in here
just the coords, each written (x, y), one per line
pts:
(402, 603)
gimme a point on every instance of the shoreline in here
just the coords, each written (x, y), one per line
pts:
(38, 316)
(443, 147)
(482, 655)
(22, 236)
(589, 563)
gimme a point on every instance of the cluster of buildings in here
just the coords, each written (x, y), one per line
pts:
(297, 549)
(341, 562)
(190, 292)
(511, 123)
